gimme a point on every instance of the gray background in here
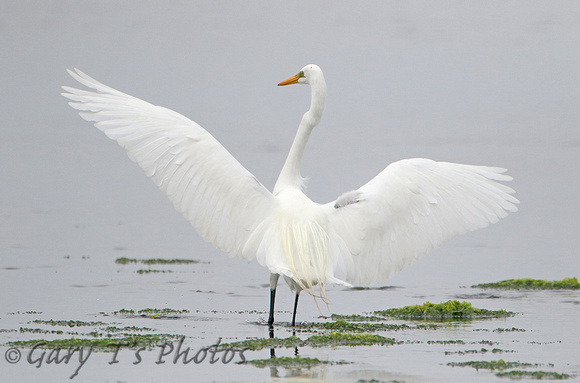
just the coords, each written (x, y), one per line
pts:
(494, 83)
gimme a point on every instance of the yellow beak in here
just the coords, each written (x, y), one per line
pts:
(290, 80)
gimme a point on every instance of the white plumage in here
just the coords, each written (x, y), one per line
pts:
(361, 238)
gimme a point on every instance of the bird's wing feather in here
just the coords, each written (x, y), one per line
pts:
(222, 199)
(411, 207)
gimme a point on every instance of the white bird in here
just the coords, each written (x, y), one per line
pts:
(360, 239)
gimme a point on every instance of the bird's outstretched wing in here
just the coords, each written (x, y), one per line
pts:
(411, 207)
(222, 199)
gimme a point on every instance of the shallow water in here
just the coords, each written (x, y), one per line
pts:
(480, 84)
(91, 289)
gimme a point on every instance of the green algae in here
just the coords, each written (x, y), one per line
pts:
(357, 318)
(513, 329)
(113, 329)
(155, 261)
(40, 331)
(68, 323)
(335, 339)
(532, 284)
(480, 351)
(287, 362)
(341, 325)
(332, 339)
(101, 344)
(25, 312)
(151, 313)
(450, 310)
(104, 338)
(499, 365)
(446, 342)
(148, 271)
(538, 375)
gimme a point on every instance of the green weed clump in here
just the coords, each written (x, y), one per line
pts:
(356, 318)
(68, 323)
(342, 325)
(154, 261)
(103, 344)
(539, 375)
(262, 343)
(148, 271)
(287, 362)
(332, 339)
(40, 331)
(450, 310)
(151, 313)
(499, 365)
(335, 339)
(532, 284)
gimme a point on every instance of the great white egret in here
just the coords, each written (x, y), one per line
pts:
(361, 238)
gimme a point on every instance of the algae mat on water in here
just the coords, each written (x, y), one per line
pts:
(450, 310)
(332, 339)
(103, 336)
(501, 366)
(98, 344)
(296, 362)
(354, 330)
(532, 284)
(155, 261)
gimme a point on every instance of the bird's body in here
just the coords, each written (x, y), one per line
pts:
(361, 238)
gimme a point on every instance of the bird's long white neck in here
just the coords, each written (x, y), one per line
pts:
(290, 174)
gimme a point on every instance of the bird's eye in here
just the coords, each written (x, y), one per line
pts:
(301, 74)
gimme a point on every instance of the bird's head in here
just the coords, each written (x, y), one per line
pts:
(307, 75)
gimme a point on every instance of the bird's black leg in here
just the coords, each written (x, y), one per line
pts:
(295, 307)
(273, 284)
(272, 299)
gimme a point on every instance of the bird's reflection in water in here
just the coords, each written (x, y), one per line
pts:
(273, 349)
(291, 372)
